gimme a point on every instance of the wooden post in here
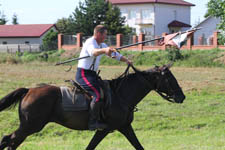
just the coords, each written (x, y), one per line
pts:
(200, 40)
(164, 46)
(141, 38)
(215, 39)
(190, 41)
(79, 40)
(210, 40)
(119, 39)
(134, 39)
(60, 41)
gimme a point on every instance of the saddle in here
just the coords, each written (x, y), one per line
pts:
(78, 99)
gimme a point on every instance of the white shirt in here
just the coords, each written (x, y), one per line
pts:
(87, 50)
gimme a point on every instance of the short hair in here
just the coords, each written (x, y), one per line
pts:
(99, 28)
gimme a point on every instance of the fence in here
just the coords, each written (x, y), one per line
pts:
(120, 40)
(13, 48)
(69, 39)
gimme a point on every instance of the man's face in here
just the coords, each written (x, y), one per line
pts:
(101, 37)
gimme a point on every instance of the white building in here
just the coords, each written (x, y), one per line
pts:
(24, 34)
(208, 28)
(153, 17)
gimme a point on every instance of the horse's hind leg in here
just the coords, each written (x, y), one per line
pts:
(27, 127)
(4, 142)
(13, 140)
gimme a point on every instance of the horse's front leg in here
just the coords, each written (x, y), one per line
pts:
(99, 135)
(130, 135)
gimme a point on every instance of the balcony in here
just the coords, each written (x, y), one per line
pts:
(144, 21)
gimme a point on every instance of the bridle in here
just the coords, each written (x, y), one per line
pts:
(147, 83)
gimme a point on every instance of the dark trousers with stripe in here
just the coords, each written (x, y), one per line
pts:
(88, 79)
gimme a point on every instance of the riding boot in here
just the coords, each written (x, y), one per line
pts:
(94, 123)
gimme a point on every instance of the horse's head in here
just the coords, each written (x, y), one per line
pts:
(166, 84)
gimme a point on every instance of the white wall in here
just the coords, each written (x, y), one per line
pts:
(127, 9)
(208, 27)
(20, 40)
(164, 14)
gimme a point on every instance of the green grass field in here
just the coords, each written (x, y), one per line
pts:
(197, 124)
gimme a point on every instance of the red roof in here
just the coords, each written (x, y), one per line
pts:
(176, 23)
(173, 2)
(28, 30)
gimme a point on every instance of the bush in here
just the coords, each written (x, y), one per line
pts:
(221, 39)
(174, 54)
(50, 41)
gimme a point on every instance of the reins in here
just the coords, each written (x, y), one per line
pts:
(146, 82)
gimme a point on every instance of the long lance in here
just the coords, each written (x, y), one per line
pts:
(125, 46)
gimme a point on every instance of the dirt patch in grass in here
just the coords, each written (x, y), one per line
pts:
(70, 53)
(221, 58)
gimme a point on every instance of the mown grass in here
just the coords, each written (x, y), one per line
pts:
(197, 124)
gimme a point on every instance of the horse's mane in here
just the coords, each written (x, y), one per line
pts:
(116, 82)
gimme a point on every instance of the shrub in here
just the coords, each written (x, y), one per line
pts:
(221, 38)
(174, 54)
(50, 41)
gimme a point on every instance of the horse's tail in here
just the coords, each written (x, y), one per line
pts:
(13, 98)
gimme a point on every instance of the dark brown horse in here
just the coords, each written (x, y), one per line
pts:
(41, 105)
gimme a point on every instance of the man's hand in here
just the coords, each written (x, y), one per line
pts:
(108, 51)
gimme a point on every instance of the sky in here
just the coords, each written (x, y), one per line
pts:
(49, 11)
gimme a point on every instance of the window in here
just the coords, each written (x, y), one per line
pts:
(146, 14)
(133, 14)
(27, 42)
(4, 42)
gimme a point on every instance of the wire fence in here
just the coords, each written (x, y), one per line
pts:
(69, 39)
(150, 37)
(111, 40)
(127, 39)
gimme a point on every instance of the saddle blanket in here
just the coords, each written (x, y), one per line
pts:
(78, 104)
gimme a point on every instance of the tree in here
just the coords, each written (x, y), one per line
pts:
(65, 25)
(14, 19)
(94, 12)
(216, 8)
(50, 40)
(88, 15)
(113, 22)
(2, 18)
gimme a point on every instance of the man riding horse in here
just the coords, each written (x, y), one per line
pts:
(87, 68)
